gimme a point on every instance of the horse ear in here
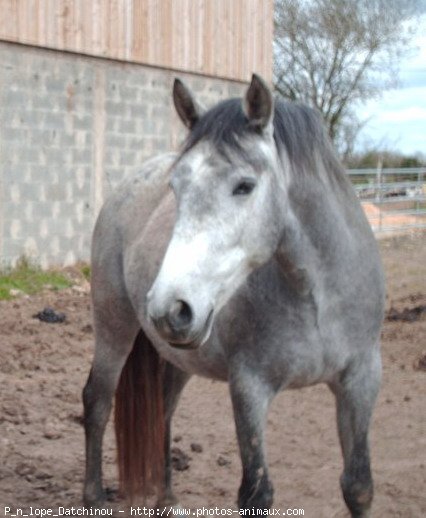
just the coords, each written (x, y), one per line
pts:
(186, 106)
(258, 103)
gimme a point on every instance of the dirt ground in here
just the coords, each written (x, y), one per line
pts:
(43, 368)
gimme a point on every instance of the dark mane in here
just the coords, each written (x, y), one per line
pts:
(297, 129)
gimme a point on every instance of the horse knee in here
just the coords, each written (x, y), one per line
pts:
(257, 493)
(89, 397)
(96, 401)
(87, 390)
(358, 492)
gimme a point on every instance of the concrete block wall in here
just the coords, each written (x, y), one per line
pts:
(71, 128)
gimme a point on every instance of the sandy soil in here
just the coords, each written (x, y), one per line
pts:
(43, 368)
(379, 218)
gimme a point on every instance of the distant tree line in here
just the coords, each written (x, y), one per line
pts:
(387, 159)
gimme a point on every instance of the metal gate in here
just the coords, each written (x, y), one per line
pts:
(394, 200)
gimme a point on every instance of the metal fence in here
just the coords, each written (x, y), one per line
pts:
(393, 199)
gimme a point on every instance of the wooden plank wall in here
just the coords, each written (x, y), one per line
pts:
(223, 38)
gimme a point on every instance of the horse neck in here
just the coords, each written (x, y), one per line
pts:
(314, 233)
(297, 258)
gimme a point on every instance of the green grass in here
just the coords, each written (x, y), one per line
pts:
(30, 279)
(86, 271)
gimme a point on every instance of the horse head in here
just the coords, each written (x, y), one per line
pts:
(229, 211)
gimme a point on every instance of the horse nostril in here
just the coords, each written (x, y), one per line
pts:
(180, 315)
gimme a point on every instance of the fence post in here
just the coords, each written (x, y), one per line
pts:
(379, 190)
(417, 195)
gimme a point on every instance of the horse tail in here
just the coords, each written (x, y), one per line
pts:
(140, 421)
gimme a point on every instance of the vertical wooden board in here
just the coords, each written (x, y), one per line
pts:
(215, 37)
(5, 32)
(9, 26)
(240, 38)
(151, 43)
(184, 28)
(231, 51)
(260, 50)
(208, 37)
(111, 29)
(117, 28)
(193, 26)
(139, 30)
(227, 41)
(199, 40)
(117, 45)
(21, 20)
(53, 17)
(179, 25)
(63, 25)
(127, 29)
(78, 25)
(266, 38)
(252, 37)
(158, 32)
(175, 31)
(153, 40)
(167, 32)
(224, 38)
(153, 35)
(35, 21)
(41, 40)
(245, 41)
(86, 27)
(125, 11)
(103, 30)
(75, 25)
(96, 23)
(25, 16)
(56, 24)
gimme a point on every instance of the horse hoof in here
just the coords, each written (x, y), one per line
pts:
(99, 498)
(363, 514)
(95, 501)
(112, 495)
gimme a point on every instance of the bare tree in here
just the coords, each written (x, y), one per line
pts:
(332, 54)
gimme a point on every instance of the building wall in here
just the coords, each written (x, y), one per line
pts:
(71, 127)
(221, 38)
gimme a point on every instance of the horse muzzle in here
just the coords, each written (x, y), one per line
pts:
(177, 325)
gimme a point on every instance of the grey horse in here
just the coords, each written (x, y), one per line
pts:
(245, 258)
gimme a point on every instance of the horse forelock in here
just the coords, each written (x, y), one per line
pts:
(225, 127)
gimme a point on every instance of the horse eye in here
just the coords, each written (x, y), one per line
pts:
(244, 188)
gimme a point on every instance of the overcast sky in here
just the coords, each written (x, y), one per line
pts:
(398, 118)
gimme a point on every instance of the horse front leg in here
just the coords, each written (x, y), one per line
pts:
(250, 400)
(174, 382)
(356, 393)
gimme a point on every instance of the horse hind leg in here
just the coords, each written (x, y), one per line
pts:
(112, 346)
(356, 393)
